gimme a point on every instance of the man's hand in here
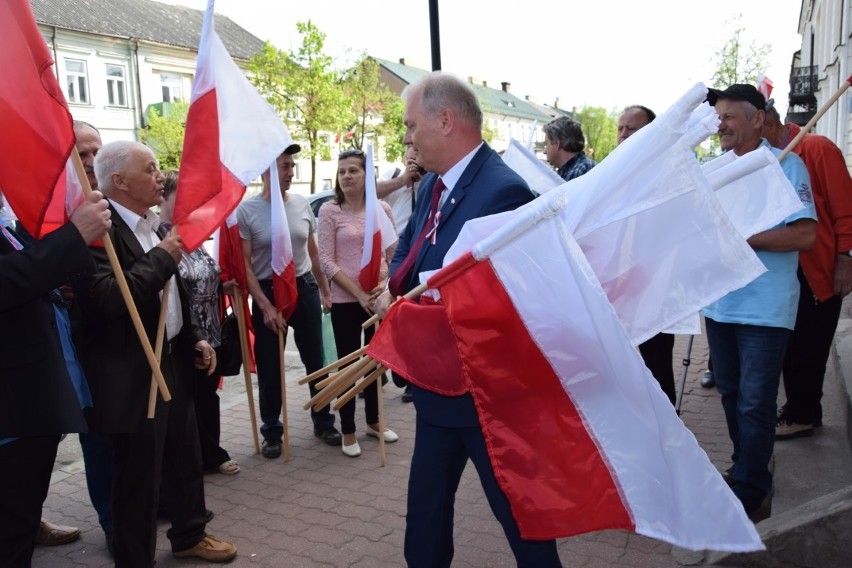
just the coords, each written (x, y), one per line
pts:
(411, 174)
(229, 287)
(383, 303)
(92, 217)
(172, 244)
(205, 357)
(270, 319)
(843, 275)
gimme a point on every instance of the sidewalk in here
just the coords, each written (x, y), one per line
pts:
(325, 509)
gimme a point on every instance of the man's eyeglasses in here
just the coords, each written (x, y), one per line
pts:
(355, 152)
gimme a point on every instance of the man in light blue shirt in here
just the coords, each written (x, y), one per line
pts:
(748, 329)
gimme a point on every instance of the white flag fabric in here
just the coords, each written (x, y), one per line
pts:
(232, 134)
(538, 175)
(648, 223)
(379, 232)
(283, 265)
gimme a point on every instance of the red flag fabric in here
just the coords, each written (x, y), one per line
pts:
(232, 134)
(379, 232)
(37, 128)
(283, 264)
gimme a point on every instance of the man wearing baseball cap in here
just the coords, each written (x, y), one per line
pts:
(254, 218)
(748, 329)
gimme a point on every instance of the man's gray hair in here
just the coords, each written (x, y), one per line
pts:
(440, 90)
(567, 132)
(113, 158)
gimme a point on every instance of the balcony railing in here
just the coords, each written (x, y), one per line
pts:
(803, 85)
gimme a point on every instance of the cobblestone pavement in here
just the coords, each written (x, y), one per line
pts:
(323, 509)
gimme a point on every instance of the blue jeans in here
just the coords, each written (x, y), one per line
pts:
(747, 362)
(307, 329)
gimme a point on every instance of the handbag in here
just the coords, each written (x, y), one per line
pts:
(230, 352)
(329, 349)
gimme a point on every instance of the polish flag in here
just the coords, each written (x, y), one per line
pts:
(67, 196)
(37, 128)
(764, 85)
(379, 232)
(232, 134)
(228, 254)
(283, 265)
(580, 435)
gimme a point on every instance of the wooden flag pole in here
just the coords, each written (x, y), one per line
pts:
(239, 312)
(125, 289)
(413, 293)
(158, 349)
(332, 366)
(383, 458)
(283, 388)
(807, 127)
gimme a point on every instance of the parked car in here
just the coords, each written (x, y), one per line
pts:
(316, 200)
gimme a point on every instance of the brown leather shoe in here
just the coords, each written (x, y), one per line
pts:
(53, 535)
(209, 549)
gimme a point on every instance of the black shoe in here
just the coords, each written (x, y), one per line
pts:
(331, 436)
(726, 475)
(407, 396)
(763, 511)
(208, 515)
(707, 380)
(271, 449)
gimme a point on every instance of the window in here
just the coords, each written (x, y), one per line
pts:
(116, 89)
(76, 80)
(172, 86)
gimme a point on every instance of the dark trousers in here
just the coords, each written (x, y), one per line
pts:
(440, 456)
(168, 441)
(100, 472)
(26, 464)
(207, 414)
(807, 353)
(657, 354)
(346, 319)
(307, 332)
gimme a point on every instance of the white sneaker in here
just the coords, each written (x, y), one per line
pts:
(390, 435)
(352, 451)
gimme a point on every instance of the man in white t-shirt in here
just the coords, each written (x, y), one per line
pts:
(255, 219)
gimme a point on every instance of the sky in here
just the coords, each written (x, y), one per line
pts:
(607, 53)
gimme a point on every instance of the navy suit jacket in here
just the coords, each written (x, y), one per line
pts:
(36, 394)
(112, 357)
(487, 186)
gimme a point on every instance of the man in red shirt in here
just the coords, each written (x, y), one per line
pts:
(825, 275)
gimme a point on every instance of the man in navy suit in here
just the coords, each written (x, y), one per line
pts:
(444, 127)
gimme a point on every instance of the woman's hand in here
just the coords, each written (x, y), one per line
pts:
(229, 287)
(205, 357)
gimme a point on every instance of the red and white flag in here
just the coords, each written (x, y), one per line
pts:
(580, 435)
(37, 128)
(764, 85)
(228, 252)
(379, 233)
(232, 134)
(283, 264)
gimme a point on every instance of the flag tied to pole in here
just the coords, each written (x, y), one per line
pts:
(379, 232)
(283, 265)
(536, 315)
(37, 128)
(232, 135)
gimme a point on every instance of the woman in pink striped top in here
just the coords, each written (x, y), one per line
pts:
(341, 241)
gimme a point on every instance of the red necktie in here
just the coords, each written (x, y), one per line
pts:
(402, 274)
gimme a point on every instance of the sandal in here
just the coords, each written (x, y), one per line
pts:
(229, 467)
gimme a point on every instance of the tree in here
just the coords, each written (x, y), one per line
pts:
(736, 63)
(376, 110)
(164, 133)
(305, 89)
(600, 128)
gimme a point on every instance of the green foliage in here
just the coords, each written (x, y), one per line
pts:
(164, 133)
(737, 63)
(600, 128)
(305, 89)
(377, 111)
